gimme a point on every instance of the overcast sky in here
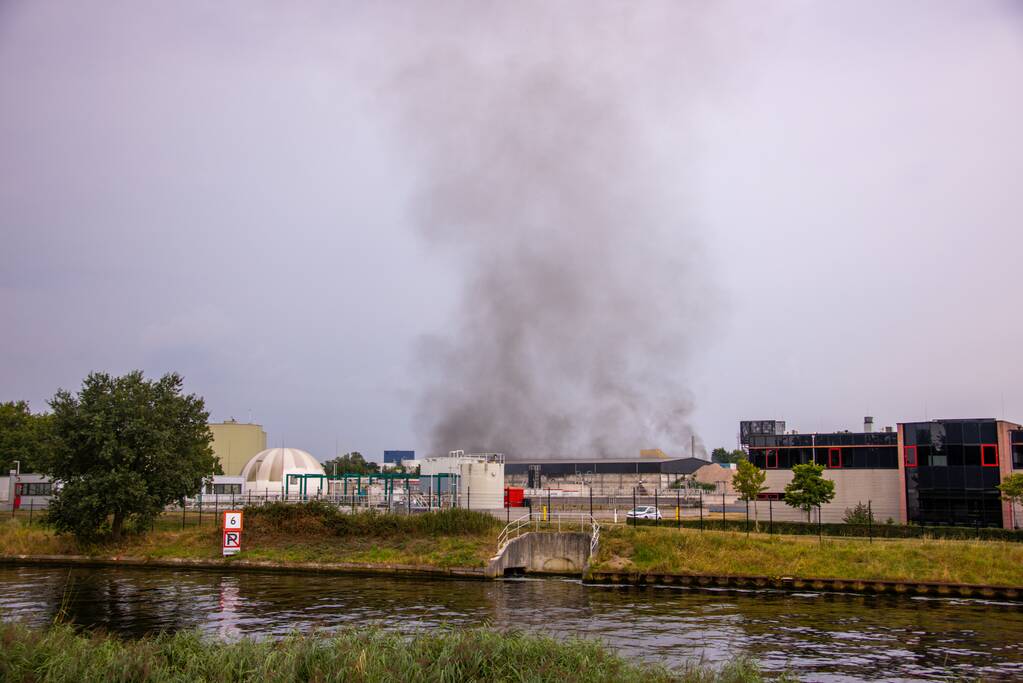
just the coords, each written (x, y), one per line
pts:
(247, 193)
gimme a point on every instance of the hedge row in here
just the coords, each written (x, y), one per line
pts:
(848, 530)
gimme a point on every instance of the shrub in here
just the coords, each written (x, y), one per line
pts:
(860, 514)
(318, 518)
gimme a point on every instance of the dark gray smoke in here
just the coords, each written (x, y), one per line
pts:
(582, 289)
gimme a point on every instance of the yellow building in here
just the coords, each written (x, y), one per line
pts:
(234, 444)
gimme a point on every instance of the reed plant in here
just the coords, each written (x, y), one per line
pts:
(62, 655)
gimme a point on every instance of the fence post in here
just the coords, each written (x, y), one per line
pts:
(747, 519)
(549, 509)
(870, 522)
(701, 509)
(770, 513)
(723, 525)
(634, 520)
(199, 500)
(468, 498)
(591, 501)
(31, 507)
(657, 510)
(182, 514)
(820, 533)
(678, 508)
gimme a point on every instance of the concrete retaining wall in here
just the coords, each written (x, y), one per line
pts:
(543, 553)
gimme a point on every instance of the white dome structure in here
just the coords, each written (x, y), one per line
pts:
(266, 470)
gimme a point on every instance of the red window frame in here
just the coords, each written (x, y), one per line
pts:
(832, 452)
(910, 459)
(984, 451)
(768, 454)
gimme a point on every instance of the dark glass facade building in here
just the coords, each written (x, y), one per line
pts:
(952, 469)
(1016, 441)
(395, 457)
(835, 450)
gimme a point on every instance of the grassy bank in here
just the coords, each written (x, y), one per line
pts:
(60, 654)
(291, 533)
(652, 550)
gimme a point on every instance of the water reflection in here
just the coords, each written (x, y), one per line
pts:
(821, 637)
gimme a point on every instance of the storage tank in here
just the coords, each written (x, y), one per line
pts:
(481, 482)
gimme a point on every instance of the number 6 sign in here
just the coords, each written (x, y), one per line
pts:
(232, 532)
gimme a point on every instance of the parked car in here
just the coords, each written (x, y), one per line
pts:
(644, 512)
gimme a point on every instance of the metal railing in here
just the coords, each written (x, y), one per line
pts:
(549, 520)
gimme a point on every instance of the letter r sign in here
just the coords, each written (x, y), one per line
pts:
(232, 542)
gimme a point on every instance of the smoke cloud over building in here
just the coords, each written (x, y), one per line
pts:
(582, 292)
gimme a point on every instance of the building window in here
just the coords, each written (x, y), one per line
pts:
(227, 489)
(989, 455)
(771, 456)
(834, 457)
(36, 489)
(910, 456)
(1017, 456)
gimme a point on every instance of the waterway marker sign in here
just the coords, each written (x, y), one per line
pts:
(232, 532)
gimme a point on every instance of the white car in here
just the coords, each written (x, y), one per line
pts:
(644, 512)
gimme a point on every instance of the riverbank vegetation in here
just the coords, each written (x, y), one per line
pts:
(313, 532)
(60, 654)
(671, 551)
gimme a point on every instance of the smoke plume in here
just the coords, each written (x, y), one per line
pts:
(582, 291)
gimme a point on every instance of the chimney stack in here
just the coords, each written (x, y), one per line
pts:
(868, 424)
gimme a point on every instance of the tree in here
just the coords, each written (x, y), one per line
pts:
(1012, 491)
(860, 515)
(749, 482)
(125, 448)
(808, 488)
(24, 437)
(725, 457)
(351, 463)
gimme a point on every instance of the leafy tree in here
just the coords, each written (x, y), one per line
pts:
(24, 437)
(125, 448)
(861, 515)
(808, 488)
(725, 456)
(351, 463)
(1012, 490)
(748, 481)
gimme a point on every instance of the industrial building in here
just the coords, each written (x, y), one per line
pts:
(936, 472)
(477, 480)
(651, 471)
(268, 472)
(234, 444)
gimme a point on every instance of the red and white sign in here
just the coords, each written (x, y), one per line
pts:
(232, 532)
(232, 520)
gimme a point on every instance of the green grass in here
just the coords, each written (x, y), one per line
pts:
(293, 533)
(652, 550)
(60, 654)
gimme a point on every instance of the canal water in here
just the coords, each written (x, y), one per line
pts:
(815, 636)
